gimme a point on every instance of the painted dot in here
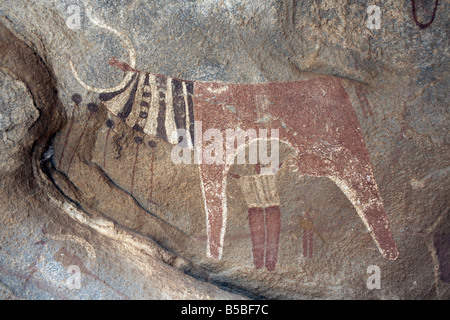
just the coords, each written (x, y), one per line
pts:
(138, 140)
(92, 107)
(137, 128)
(110, 124)
(152, 144)
(77, 98)
(143, 115)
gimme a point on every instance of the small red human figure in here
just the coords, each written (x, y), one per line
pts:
(264, 216)
(308, 227)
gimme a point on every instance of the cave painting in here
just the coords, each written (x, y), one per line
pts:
(422, 25)
(314, 117)
(309, 228)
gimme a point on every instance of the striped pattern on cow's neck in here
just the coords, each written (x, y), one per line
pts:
(155, 105)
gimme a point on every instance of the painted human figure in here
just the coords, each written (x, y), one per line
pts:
(308, 227)
(264, 216)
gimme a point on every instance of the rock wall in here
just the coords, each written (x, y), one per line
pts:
(91, 186)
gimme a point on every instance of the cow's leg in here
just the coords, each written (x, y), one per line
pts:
(358, 184)
(213, 189)
(353, 174)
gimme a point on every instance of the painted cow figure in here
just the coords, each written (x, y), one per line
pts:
(314, 117)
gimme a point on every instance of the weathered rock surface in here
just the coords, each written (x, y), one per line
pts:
(80, 187)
